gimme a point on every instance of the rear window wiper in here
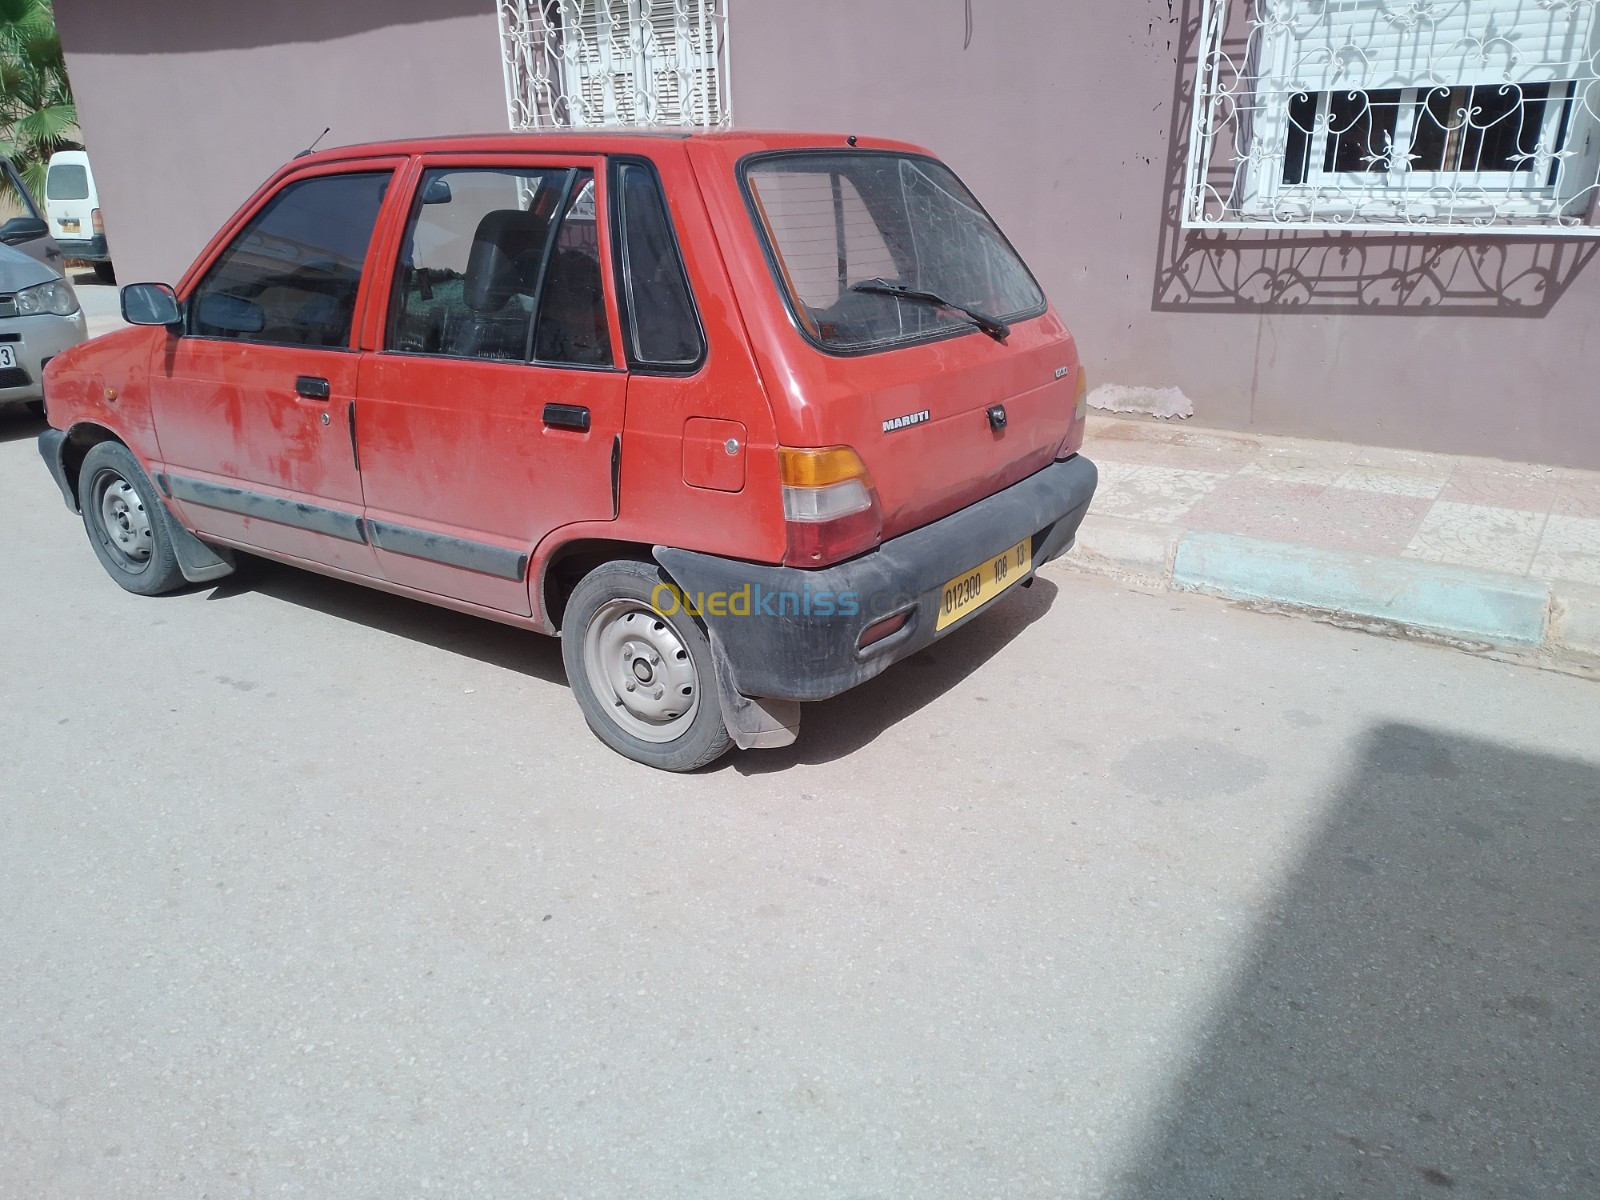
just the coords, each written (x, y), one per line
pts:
(993, 326)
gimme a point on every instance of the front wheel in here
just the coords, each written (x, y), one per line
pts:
(125, 522)
(643, 677)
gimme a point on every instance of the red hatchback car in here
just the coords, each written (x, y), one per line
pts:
(744, 417)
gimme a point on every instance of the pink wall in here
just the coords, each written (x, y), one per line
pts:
(1060, 117)
(188, 105)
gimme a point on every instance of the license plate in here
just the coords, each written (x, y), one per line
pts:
(971, 590)
(69, 225)
(8, 358)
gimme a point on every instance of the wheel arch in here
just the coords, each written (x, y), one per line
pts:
(82, 438)
(566, 565)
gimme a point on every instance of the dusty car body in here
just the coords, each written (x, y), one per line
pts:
(745, 418)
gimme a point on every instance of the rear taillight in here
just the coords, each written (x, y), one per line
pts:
(829, 505)
(97, 222)
(1080, 412)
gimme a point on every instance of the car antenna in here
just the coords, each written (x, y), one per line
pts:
(313, 145)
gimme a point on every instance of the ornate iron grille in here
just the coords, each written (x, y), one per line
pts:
(1445, 116)
(615, 62)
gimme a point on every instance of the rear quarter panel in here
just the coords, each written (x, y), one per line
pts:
(658, 504)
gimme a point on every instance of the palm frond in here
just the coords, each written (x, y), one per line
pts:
(37, 112)
(47, 124)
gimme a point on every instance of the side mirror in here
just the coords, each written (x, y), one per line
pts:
(150, 304)
(23, 229)
(436, 191)
(231, 314)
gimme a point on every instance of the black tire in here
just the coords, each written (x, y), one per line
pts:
(35, 407)
(113, 490)
(105, 272)
(622, 655)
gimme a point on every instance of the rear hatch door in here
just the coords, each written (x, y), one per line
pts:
(942, 412)
(69, 200)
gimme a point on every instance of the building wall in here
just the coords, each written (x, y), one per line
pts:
(187, 105)
(1060, 116)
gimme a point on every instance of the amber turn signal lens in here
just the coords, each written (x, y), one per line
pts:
(819, 468)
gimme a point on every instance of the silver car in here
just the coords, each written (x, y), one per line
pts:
(39, 318)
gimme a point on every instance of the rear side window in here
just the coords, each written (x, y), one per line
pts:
(292, 275)
(663, 327)
(491, 255)
(67, 181)
(843, 230)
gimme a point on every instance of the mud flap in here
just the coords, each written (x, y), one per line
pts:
(753, 724)
(199, 562)
(52, 443)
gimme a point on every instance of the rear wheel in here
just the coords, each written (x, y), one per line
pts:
(644, 678)
(125, 521)
(105, 272)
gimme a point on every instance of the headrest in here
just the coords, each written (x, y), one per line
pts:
(504, 261)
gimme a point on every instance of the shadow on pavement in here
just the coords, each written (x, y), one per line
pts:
(17, 424)
(828, 731)
(1419, 1016)
(506, 646)
(839, 727)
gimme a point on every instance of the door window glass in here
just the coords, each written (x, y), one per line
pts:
(291, 277)
(572, 309)
(483, 246)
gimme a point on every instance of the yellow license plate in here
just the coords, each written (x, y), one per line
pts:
(69, 226)
(971, 590)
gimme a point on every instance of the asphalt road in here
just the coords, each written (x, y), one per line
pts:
(307, 891)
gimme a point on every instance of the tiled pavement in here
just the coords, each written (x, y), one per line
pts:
(1515, 518)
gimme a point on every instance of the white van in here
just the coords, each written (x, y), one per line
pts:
(72, 204)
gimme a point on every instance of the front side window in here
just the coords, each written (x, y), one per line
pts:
(847, 230)
(504, 265)
(292, 275)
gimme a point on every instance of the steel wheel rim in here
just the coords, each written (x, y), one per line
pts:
(129, 533)
(641, 671)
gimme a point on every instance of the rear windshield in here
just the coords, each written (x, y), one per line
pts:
(835, 222)
(67, 181)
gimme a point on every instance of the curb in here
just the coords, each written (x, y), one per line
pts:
(1558, 623)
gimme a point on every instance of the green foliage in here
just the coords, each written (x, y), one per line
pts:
(37, 114)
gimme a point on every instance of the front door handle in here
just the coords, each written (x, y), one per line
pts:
(312, 387)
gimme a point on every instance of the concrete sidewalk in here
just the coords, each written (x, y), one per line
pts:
(1492, 555)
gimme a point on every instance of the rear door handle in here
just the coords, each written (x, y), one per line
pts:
(312, 387)
(567, 416)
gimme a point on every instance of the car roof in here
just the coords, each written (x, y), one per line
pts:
(646, 143)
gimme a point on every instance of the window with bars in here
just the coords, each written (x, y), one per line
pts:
(1448, 114)
(582, 63)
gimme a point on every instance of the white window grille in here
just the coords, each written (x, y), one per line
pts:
(1450, 116)
(615, 62)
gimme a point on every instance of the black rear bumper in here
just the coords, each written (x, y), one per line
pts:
(91, 249)
(793, 634)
